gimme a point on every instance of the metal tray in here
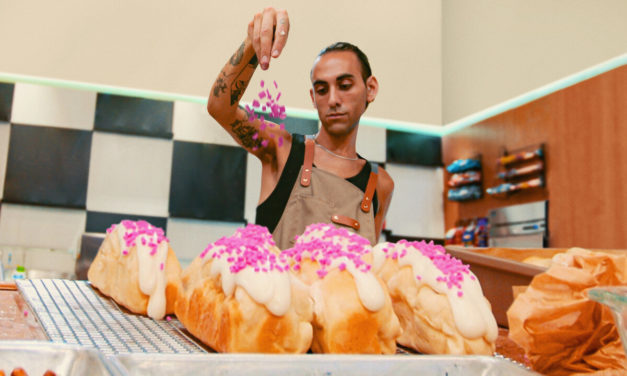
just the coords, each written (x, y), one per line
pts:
(38, 357)
(316, 364)
(73, 312)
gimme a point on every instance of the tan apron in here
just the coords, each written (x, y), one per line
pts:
(320, 196)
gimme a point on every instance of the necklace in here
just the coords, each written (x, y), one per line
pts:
(336, 155)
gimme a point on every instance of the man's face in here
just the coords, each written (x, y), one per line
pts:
(339, 92)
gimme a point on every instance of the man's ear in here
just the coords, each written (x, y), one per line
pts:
(372, 87)
(313, 100)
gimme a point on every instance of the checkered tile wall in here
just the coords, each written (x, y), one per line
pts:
(77, 161)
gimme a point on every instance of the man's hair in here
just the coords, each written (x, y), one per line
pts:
(345, 46)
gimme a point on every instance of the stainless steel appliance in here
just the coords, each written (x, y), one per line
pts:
(520, 226)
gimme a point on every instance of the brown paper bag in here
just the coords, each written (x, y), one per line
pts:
(562, 331)
(517, 290)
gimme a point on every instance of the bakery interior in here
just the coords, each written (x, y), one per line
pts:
(501, 123)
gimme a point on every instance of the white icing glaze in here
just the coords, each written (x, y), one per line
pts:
(152, 279)
(471, 311)
(378, 255)
(120, 230)
(151, 275)
(368, 286)
(271, 288)
(369, 289)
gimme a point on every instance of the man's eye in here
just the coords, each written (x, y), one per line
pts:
(345, 86)
(321, 91)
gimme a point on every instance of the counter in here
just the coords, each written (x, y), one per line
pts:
(18, 322)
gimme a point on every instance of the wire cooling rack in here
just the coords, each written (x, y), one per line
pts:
(72, 312)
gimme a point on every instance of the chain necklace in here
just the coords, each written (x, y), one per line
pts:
(336, 155)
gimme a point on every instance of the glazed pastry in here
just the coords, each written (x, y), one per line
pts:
(136, 266)
(437, 299)
(352, 309)
(238, 296)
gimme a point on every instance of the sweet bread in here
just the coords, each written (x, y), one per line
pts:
(238, 296)
(352, 309)
(437, 299)
(136, 266)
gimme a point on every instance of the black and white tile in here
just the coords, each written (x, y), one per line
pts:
(139, 116)
(47, 166)
(75, 162)
(371, 143)
(417, 207)
(6, 101)
(5, 130)
(41, 226)
(192, 123)
(189, 237)
(208, 181)
(129, 174)
(53, 107)
(99, 222)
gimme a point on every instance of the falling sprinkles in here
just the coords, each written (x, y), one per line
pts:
(266, 103)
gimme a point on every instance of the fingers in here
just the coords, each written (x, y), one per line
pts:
(281, 32)
(267, 33)
(251, 28)
(256, 35)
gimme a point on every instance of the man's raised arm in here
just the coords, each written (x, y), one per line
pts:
(267, 35)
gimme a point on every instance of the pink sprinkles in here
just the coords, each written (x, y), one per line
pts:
(333, 244)
(452, 269)
(247, 248)
(271, 105)
(142, 230)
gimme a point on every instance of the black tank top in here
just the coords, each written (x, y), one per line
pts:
(270, 211)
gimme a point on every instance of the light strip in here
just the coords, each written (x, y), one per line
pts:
(405, 126)
(534, 94)
(106, 89)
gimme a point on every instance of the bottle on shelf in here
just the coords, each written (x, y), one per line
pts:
(19, 273)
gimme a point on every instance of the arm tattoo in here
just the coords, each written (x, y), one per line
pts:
(220, 85)
(237, 56)
(239, 85)
(245, 132)
(237, 89)
(253, 61)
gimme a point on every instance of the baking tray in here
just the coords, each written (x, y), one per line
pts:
(317, 364)
(73, 312)
(38, 357)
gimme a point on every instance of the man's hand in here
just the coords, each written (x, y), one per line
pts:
(268, 33)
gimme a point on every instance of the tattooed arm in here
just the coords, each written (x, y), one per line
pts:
(267, 34)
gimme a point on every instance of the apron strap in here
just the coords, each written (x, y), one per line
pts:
(366, 203)
(346, 221)
(305, 178)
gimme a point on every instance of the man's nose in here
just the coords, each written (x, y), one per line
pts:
(334, 97)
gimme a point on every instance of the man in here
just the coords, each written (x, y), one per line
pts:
(319, 179)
